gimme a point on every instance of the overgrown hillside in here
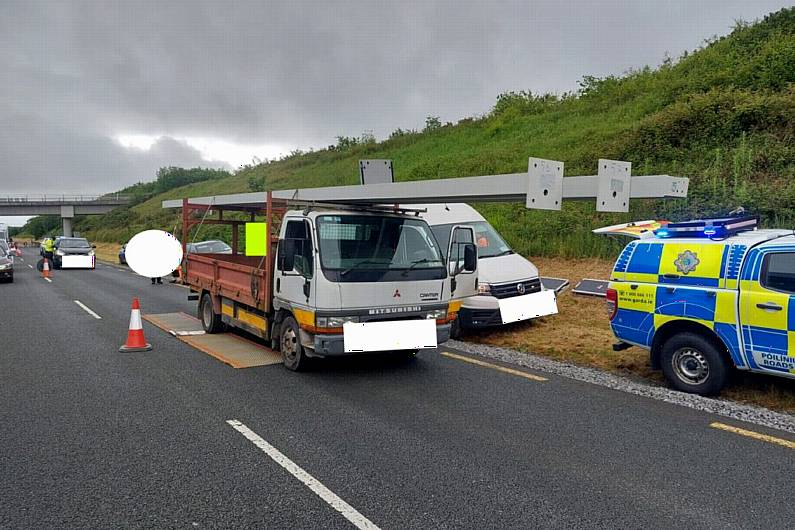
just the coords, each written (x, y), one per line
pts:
(723, 115)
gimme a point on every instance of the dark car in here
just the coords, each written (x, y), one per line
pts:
(6, 267)
(122, 256)
(70, 246)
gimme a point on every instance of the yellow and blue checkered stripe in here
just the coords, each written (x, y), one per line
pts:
(658, 262)
(644, 309)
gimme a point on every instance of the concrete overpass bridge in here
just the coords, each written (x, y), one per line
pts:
(67, 206)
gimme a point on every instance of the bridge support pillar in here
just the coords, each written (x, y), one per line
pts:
(67, 213)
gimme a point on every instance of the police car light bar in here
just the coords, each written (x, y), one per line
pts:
(712, 228)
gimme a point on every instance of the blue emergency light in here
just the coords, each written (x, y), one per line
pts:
(712, 228)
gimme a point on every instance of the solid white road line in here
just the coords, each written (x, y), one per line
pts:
(87, 310)
(347, 511)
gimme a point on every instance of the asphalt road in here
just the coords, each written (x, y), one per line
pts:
(90, 437)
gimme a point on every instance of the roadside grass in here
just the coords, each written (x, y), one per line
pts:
(107, 252)
(580, 334)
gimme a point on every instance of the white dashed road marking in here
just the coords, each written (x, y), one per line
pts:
(347, 511)
(88, 310)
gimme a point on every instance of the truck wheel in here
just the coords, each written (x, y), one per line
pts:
(293, 354)
(211, 321)
(455, 329)
(691, 363)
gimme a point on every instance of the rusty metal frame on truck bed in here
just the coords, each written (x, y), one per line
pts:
(223, 274)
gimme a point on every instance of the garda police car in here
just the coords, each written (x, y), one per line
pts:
(707, 295)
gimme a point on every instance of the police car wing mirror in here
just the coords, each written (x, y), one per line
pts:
(470, 257)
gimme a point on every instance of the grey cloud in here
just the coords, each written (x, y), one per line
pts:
(296, 73)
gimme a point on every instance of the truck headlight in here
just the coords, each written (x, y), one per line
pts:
(436, 314)
(334, 322)
(91, 253)
(484, 288)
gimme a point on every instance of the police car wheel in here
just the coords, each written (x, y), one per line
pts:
(691, 363)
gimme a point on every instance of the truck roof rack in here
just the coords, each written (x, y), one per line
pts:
(718, 228)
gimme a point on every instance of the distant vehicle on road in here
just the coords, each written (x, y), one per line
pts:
(69, 247)
(213, 246)
(122, 255)
(509, 288)
(6, 266)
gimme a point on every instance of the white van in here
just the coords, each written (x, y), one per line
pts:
(509, 288)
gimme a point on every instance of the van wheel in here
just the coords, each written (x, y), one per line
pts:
(691, 363)
(211, 321)
(293, 354)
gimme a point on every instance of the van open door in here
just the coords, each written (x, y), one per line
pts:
(462, 262)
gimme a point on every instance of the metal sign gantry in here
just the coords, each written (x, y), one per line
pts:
(542, 187)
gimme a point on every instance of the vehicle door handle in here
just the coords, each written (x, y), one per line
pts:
(769, 306)
(669, 276)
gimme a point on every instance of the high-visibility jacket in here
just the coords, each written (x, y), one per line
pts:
(48, 245)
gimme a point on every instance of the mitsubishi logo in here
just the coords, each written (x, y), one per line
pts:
(397, 294)
(520, 287)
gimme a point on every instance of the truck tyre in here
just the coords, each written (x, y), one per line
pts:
(691, 363)
(211, 321)
(455, 329)
(293, 354)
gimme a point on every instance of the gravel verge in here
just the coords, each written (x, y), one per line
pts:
(721, 407)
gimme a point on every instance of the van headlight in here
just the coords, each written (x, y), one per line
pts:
(60, 253)
(91, 253)
(333, 322)
(484, 288)
(436, 314)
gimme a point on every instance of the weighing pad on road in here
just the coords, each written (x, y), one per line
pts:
(178, 324)
(234, 350)
(554, 284)
(591, 287)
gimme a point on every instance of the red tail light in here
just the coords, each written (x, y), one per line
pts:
(612, 303)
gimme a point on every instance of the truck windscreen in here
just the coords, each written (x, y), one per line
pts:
(354, 244)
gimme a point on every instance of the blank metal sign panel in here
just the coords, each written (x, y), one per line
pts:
(554, 284)
(591, 287)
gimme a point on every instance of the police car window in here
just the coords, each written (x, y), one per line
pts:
(779, 272)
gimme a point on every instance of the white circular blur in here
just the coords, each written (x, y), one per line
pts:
(153, 253)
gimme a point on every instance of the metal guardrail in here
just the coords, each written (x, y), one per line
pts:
(112, 198)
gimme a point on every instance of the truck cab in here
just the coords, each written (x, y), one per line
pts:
(508, 284)
(357, 281)
(703, 305)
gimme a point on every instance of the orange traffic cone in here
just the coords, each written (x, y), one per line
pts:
(45, 268)
(135, 335)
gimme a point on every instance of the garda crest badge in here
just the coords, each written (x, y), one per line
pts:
(687, 262)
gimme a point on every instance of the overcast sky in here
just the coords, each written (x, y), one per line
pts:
(98, 95)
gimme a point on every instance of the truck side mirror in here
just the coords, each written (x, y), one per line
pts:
(286, 254)
(470, 257)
